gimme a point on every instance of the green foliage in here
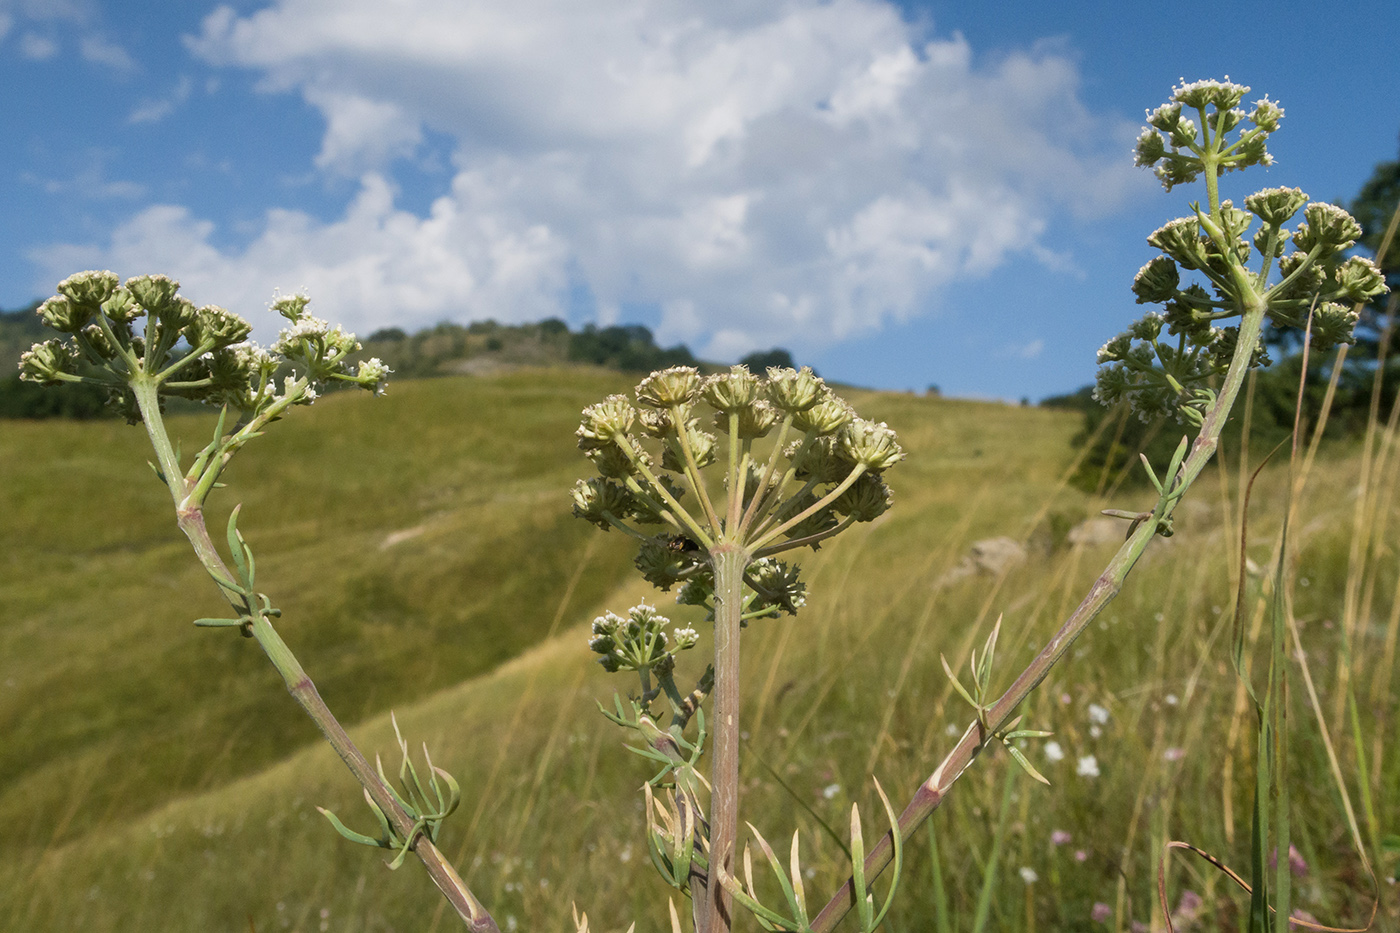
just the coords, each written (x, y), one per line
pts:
(629, 347)
(759, 361)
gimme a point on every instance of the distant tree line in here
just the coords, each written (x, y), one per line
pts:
(443, 349)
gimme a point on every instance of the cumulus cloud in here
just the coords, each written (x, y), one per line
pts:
(753, 173)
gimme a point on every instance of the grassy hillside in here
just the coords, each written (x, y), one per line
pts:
(157, 777)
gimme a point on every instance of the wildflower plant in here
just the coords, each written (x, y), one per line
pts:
(735, 469)
(1222, 273)
(143, 342)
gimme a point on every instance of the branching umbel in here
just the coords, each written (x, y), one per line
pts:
(797, 466)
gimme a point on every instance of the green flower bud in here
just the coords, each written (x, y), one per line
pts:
(778, 585)
(1261, 241)
(668, 388)
(88, 289)
(1327, 225)
(1276, 206)
(1181, 240)
(1266, 115)
(1183, 134)
(825, 418)
(658, 422)
(215, 326)
(46, 363)
(1150, 147)
(613, 462)
(121, 308)
(642, 511)
(660, 564)
(1156, 281)
(1115, 349)
(731, 391)
(1358, 279)
(372, 374)
(820, 461)
(1253, 151)
(1181, 317)
(699, 590)
(605, 422)
(794, 390)
(866, 499)
(1165, 117)
(871, 444)
(1333, 324)
(1200, 94)
(292, 307)
(1148, 327)
(96, 338)
(155, 293)
(755, 420)
(64, 315)
(597, 499)
(702, 448)
(1306, 285)
(813, 524)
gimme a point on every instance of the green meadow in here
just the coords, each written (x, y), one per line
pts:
(157, 777)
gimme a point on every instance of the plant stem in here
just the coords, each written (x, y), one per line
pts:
(190, 518)
(931, 793)
(729, 560)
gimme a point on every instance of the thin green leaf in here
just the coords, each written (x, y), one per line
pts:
(898, 870)
(1026, 765)
(864, 906)
(957, 684)
(1156, 483)
(799, 893)
(220, 623)
(349, 833)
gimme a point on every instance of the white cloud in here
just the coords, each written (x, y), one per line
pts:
(100, 51)
(155, 110)
(37, 48)
(757, 173)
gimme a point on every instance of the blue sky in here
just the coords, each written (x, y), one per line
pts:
(902, 194)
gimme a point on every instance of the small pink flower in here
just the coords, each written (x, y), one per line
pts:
(1174, 754)
(1187, 909)
(1059, 837)
(1080, 855)
(1101, 913)
(1296, 865)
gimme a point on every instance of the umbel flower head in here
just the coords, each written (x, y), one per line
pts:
(758, 464)
(143, 330)
(1168, 362)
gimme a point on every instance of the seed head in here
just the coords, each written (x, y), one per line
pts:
(731, 391)
(1157, 281)
(1327, 225)
(1276, 206)
(872, 444)
(88, 289)
(605, 422)
(668, 388)
(792, 390)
